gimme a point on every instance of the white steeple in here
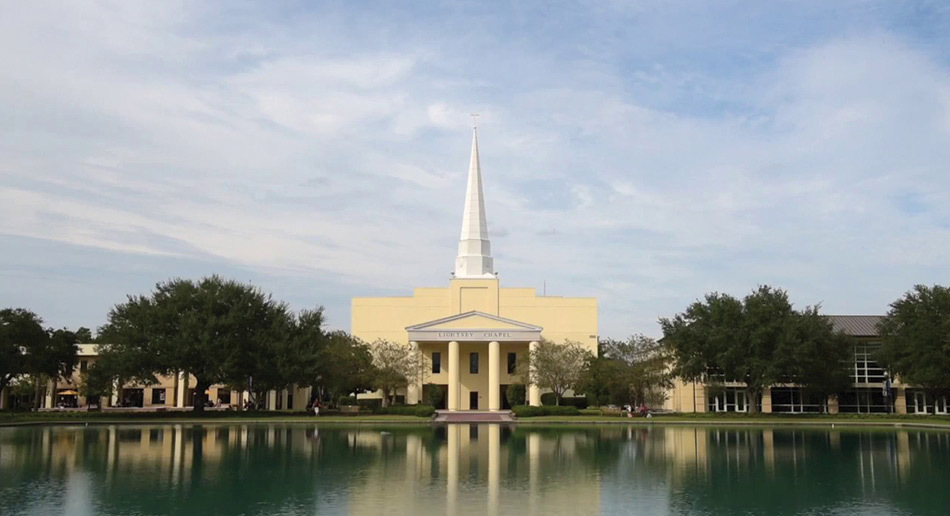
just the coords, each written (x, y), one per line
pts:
(474, 258)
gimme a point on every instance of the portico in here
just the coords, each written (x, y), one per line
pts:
(466, 340)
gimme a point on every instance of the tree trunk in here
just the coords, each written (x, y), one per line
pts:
(36, 392)
(752, 400)
(200, 396)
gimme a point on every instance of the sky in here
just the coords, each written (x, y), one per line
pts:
(644, 153)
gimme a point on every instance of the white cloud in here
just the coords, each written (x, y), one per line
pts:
(316, 156)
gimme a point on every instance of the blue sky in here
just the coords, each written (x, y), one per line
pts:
(644, 153)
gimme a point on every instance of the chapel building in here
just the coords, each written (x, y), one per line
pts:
(474, 331)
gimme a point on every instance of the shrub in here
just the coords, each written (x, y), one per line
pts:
(591, 412)
(432, 394)
(407, 410)
(580, 402)
(515, 394)
(346, 400)
(544, 410)
(370, 403)
(549, 398)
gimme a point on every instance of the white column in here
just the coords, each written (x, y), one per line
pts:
(3, 398)
(534, 393)
(51, 394)
(453, 403)
(114, 399)
(494, 376)
(272, 400)
(413, 390)
(182, 390)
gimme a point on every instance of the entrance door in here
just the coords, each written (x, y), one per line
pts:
(473, 400)
(920, 403)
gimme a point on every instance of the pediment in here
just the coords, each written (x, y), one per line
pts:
(474, 326)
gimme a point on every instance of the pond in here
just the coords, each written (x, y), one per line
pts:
(470, 469)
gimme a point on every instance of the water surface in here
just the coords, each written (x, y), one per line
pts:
(477, 469)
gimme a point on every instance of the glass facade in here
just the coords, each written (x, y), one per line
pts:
(866, 369)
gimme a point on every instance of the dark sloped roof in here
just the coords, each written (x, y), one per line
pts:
(856, 325)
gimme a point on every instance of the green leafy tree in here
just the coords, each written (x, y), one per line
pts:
(821, 357)
(84, 335)
(632, 372)
(345, 366)
(27, 349)
(603, 381)
(760, 340)
(395, 366)
(218, 330)
(916, 334)
(96, 383)
(21, 333)
(557, 367)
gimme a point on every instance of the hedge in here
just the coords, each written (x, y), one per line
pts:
(544, 410)
(406, 410)
(346, 401)
(591, 412)
(372, 403)
(548, 398)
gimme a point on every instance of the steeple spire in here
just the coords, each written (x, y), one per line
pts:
(474, 259)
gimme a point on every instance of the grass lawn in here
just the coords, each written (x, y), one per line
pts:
(768, 419)
(15, 418)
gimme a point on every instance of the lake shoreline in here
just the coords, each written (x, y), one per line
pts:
(28, 419)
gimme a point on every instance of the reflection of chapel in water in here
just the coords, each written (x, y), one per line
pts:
(473, 331)
(467, 468)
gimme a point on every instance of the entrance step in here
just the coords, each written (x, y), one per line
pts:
(473, 416)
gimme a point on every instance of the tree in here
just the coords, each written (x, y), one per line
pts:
(632, 372)
(916, 337)
(603, 381)
(220, 331)
(822, 358)
(96, 382)
(557, 367)
(27, 349)
(21, 331)
(515, 394)
(760, 340)
(345, 366)
(395, 365)
(84, 335)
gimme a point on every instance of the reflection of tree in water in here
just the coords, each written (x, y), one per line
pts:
(816, 471)
(255, 469)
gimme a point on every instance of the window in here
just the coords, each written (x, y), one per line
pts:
(473, 363)
(728, 400)
(436, 362)
(158, 396)
(224, 396)
(512, 362)
(83, 365)
(866, 370)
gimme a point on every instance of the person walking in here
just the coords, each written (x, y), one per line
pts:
(316, 407)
